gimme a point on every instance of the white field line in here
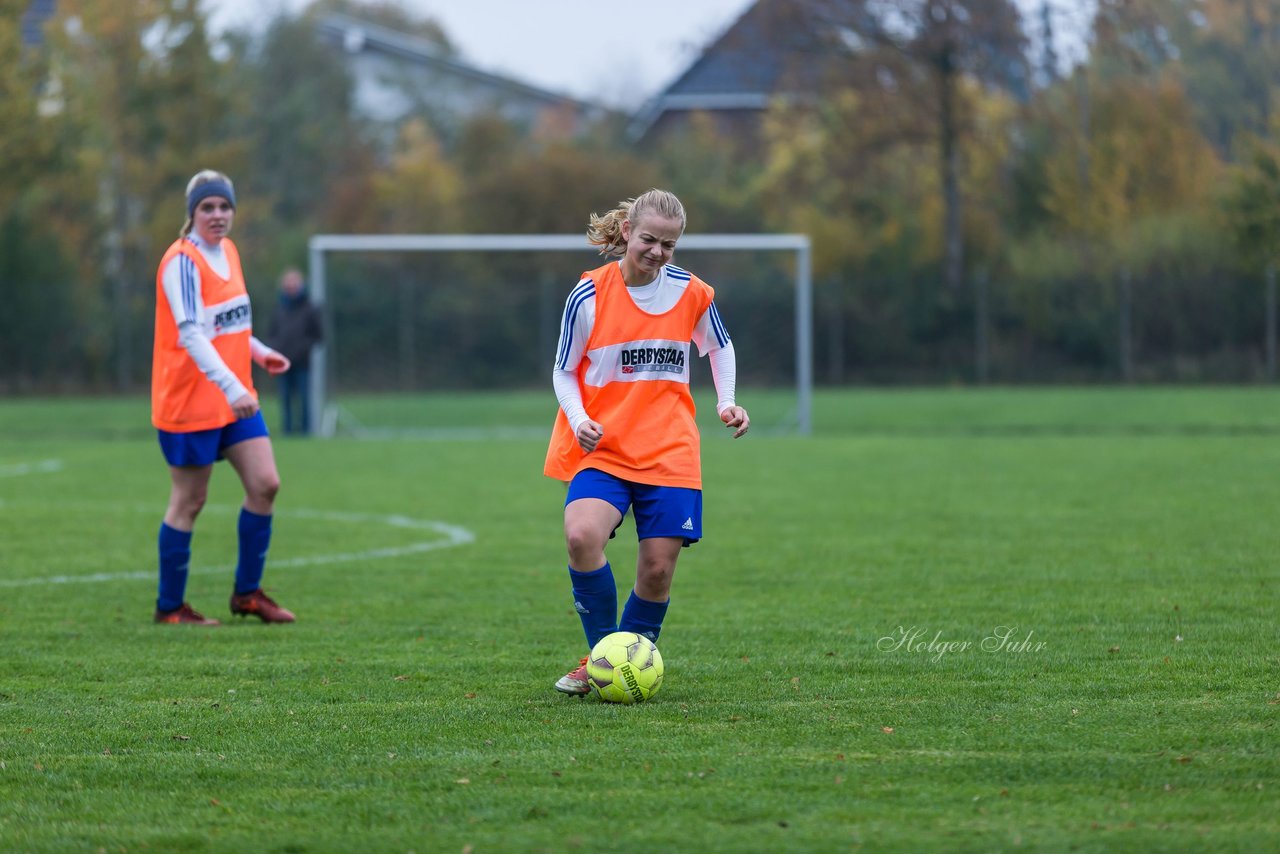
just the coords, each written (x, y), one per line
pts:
(41, 467)
(449, 536)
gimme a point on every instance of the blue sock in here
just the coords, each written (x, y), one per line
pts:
(255, 537)
(175, 560)
(595, 598)
(643, 617)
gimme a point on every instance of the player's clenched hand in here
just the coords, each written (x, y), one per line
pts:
(244, 407)
(736, 416)
(276, 363)
(589, 435)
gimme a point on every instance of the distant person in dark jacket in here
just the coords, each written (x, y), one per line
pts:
(295, 328)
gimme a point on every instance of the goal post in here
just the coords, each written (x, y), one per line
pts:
(322, 248)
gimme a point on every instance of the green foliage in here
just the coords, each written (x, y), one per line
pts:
(1251, 204)
(1223, 52)
(910, 144)
(35, 339)
(715, 173)
(542, 186)
(24, 149)
(133, 103)
(411, 708)
(1139, 155)
(295, 103)
(420, 190)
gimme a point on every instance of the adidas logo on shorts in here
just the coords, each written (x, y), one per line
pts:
(688, 524)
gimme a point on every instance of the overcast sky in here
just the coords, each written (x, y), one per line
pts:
(616, 53)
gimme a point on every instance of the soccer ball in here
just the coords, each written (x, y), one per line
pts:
(625, 667)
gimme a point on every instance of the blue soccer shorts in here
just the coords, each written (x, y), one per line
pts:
(659, 511)
(205, 447)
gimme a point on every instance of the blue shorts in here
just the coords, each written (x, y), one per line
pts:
(205, 447)
(659, 511)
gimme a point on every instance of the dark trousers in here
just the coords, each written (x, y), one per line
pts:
(295, 395)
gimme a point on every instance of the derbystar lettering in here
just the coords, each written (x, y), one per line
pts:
(652, 360)
(231, 315)
(653, 356)
(630, 678)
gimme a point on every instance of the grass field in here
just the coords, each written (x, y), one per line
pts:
(957, 620)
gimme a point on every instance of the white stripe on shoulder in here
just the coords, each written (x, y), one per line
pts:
(585, 291)
(189, 276)
(722, 334)
(678, 273)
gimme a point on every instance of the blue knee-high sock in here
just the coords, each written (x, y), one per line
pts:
(643, 617)
(595, 598)
(255, 538)
(175, 560)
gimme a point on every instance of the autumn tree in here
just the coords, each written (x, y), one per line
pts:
(419, 191)
(25, 148)
(896, 88)
(139, 109)
(922, 51)
(294, 104)
(1125, 197)
(36, 338)
(1225, 52)
(1250, 202)
(716, 174)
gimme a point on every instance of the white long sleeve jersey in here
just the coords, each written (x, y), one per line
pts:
(657, 297)
(181, 279)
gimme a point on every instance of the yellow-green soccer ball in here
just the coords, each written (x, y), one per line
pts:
(625, 667)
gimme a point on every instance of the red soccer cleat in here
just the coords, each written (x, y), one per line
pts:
(184, 614)
(261, 606)
(575, 681)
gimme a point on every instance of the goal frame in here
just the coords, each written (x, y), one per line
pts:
(323, 415)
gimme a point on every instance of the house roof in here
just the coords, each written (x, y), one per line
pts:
(354, 35)
(758, 56)
(775, 49)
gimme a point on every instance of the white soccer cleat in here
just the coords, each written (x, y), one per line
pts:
(575, 681)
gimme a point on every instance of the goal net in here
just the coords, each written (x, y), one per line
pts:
(454, 335)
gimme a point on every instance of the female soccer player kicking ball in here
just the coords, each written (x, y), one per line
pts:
(625, 436)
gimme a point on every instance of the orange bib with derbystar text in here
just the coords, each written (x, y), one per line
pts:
(634, 379)
(183, 399)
